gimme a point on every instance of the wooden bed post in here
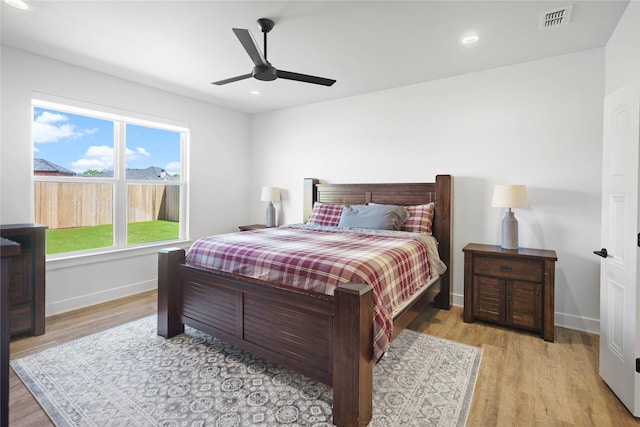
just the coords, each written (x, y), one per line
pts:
(353, 355)
(310, 196)
(443, 231)
(169, 323)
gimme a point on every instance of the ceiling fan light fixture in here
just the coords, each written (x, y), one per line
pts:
(18, 4)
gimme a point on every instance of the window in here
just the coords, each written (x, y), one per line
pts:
(106, 180)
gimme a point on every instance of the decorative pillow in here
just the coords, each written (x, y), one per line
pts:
(327, 214)
(376, 217)
(420, 218)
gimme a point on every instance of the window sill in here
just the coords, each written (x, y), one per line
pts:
(64, 261)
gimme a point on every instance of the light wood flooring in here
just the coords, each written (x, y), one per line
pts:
(523, 380)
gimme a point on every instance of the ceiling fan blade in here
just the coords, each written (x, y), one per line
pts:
(232, 79)
(250, 45)
(288, 75)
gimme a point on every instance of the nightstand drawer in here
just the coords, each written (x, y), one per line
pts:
(508, 268)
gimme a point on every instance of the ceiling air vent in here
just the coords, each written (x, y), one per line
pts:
(555, 17)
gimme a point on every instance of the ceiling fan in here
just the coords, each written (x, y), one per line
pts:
(263, 70)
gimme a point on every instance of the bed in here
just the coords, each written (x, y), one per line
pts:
(326, 337)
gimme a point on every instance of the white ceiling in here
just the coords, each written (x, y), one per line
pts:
(182, 46)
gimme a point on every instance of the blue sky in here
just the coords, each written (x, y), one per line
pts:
(80, 143)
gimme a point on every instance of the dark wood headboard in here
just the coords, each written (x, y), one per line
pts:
(404, 194)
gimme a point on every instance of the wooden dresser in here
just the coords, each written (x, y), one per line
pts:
(27, 282)
(8, 249)
(512, 287)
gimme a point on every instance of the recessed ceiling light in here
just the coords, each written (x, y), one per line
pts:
(255, 92)
(469, 39)
(18, 4)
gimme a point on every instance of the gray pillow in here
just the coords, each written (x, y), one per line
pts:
(376, 217)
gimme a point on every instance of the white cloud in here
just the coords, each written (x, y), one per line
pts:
(47, 117)
(99, 157)
(53, 127)
(172, 168)
(138, 154)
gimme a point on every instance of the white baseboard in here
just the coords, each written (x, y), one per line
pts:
(458, 300)
(563, 320)
(62, 306)
(583, 324)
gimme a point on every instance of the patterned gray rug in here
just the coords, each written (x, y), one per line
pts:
(129, 376)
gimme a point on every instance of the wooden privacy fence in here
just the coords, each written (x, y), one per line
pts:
(73, 204)
(153, 202)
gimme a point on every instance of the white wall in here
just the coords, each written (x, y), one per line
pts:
(537, 123)
(622, 53)
(218, 160)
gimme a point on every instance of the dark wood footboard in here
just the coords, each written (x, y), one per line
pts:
(327, 338)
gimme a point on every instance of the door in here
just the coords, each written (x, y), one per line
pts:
(619, 296)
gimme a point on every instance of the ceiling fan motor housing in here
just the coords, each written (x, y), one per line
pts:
(265, 24)
(265, 73)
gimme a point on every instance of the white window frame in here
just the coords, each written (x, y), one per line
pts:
(119, 183)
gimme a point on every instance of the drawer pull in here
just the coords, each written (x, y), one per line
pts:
(505, 268)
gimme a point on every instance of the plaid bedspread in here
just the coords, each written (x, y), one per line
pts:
(320, 259)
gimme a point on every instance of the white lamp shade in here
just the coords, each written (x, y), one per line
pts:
(509, 196)
(270, 194)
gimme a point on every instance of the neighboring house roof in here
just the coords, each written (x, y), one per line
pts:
(150, 173)
(41, 166)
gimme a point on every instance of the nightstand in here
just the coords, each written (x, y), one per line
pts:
(252, 227)
(512, 287)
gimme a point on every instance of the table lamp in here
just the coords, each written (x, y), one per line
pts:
(270, 194)
(509, 196)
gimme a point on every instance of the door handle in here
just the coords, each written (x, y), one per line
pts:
(602, 252)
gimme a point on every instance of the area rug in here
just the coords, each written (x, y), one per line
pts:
(129, 376)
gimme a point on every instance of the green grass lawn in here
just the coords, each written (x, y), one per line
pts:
(101, 236)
